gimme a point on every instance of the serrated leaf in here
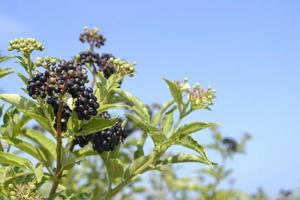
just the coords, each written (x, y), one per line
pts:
(68, 160)
(46, 144)
(167, 122)
(133, 168)
(176, 93)
(158, 116)
(28, 148)
(12, 159)
(38, 171)
(112, 106)
(5, 71)
(182, 158)
(29, 108)
(97, 124)
(23, 78)
(154, 132)
(138, 106)
(191, 128)
(115, 169)
(189, 142)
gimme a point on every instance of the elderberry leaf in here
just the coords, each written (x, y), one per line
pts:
(158, 116)
(167, 121)
(191, 128)
(137, 105)
(38, 170)
(28, 148)
(154, 132)
(29, 108)
(115, 170)
(12, 159)
(189, 142)
(181, 158)
(97, 124)
(45, 144)
(176, 93)
(5, 71)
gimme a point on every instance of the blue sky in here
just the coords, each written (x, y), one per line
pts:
(247, 50)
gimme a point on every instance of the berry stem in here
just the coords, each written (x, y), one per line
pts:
(59, 171)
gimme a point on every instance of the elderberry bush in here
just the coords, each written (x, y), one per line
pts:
(75, 125)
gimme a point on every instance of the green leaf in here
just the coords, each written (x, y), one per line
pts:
(181, 158)
(28, 148)
(12, 159)
(97, 124)
(68, 160)
(157, 117)
(23, 78)
(5, 58)
(38, 170)
(191, 128)
(154, 132)
(189, 142)
(5, 71)
(106, 107)
(167, 122)
(138, 164)
(47, 145)
(115, 170)
(176, 93)
(29, 108)
(138, 106)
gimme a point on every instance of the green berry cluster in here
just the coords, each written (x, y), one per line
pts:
(123, 67)
(25, 45)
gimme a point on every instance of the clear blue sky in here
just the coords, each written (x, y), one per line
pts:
(248, 50)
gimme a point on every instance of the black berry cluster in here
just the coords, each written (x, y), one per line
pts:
(230, 144)
(92, 37)
(37, 86)
(60, 78)
(65, 115)
(86, 104)
(105, 140)
(108, 139)
(97, 62)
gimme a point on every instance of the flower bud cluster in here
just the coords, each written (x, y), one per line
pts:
(197, 96)
(92, 37)
(123, 67)
(25, 45)
(25, 191)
